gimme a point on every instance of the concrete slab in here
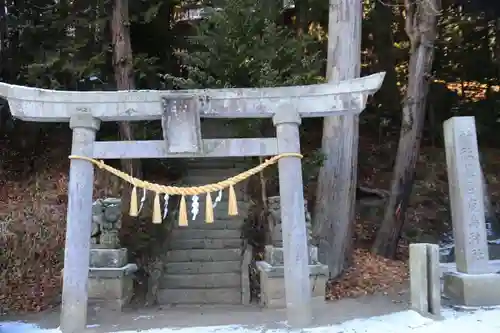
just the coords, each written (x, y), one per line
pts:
(473, 289)
(325, 313)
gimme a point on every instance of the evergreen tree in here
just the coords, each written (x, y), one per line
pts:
(242, 44)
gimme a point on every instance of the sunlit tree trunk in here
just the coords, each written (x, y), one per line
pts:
(421, 27)
(335, 196)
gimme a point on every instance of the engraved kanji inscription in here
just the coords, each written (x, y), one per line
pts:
(478, 254)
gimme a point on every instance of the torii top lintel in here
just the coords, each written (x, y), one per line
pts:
(320, 100)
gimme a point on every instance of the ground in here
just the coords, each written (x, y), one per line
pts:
(406, 321)
(326, 313)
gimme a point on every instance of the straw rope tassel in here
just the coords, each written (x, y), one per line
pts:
(133, 203)
(157, 209)
(183, 220)
(183, 191)
(233, 204)
(209, 209)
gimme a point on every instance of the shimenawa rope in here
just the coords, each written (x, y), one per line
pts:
(185, 191)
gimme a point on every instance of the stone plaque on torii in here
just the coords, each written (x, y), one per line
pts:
(180, 112)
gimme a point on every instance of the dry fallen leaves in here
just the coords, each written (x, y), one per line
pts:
(33, 248)
(368, 274)
(32, 253)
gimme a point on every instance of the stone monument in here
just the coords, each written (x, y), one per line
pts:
(474, 283)
(272, 270)
(110, 275)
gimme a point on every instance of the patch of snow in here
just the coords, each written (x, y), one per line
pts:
(494, 241)
(19, 327)
(209, 329)
(464, 320)
(143, 317)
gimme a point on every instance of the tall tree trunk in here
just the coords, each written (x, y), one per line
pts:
(497, 47)
(150, 260)
(123, 69)
(336, 191)
(124, 79)
(3, 49)
(3, 29)
(389, 96)
(421, 27)
(302, 16)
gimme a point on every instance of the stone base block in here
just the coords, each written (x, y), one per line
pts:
(111, 288)
(272, 283)
(275, 256)
(115, 305)
(473, 290)
(101, 258)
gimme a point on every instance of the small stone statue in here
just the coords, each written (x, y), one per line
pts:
(106, 223)
(275, 222)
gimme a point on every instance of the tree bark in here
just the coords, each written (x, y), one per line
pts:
(389, 95)
(123, 69)
(421, 27)
(497, 47)
(336, 191)
(124, 80)
(492, 223)
(3, 30)
(302, 16)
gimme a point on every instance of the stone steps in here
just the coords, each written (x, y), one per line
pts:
(204, 255)
(204, 259)
(221, 173)
(234, 223)
(220, 211)
(201, 281)
(202, 180)
(207, 243)
(229, 296)
(239, 189)
(215, 163)
(197, 267)
(186, 233)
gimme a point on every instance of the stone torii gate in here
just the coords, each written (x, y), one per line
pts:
(180, 112)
